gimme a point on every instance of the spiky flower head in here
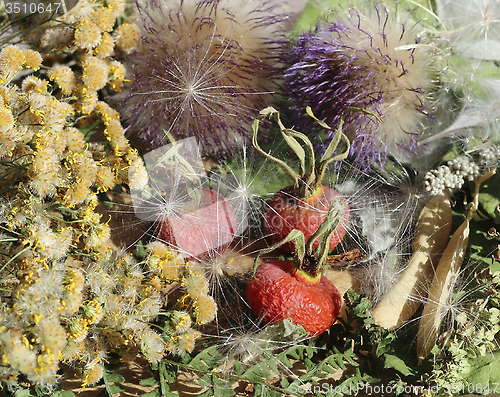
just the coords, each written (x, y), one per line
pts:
(202, 68)
(369, 60)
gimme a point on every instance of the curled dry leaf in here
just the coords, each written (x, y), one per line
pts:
(403, 300)
(447, 269)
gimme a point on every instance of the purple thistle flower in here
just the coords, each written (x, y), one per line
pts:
(203, 69)
(353, 60)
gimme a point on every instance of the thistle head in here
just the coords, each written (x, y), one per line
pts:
(202, 69)
(370, 61)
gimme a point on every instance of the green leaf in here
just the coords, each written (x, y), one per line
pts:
(285, 331)
(362, 310)
(295, 352)
(258, 372)
(394, 362)
(486, 370)
(110, 390)
(217, 387)
(153, 393)
(168, 371)
(23, 393)
(115, 378)
(481, 247)
(265, 391)
(63, 393)
(140, 252)
(239, 369)
(489, 197)
(109, 378)
(148, 382)
(207, 359)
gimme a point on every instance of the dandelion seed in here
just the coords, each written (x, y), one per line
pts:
(246, 183)
(104, 18)
(95, 73)
(87, 35)
(205, 309)
(126, 37)
(105, 48)
(152, 346)
(92, 373)
(12, 59)
(33, 59)
(473, 27)
(254, 342)
(64, 77)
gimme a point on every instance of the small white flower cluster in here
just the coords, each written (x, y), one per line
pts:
(456, 171)
(489, 157)
(452, 175)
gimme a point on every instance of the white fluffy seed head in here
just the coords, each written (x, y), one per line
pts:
(202, 68)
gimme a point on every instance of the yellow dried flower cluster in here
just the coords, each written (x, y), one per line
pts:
(168, 267)
(68, 298)
(95, 32)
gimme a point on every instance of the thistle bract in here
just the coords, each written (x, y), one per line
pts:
(370, 61)
(202, 68)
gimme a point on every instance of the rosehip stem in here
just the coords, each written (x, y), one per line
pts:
(312, 262)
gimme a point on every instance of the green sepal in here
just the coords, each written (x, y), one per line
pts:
(295, 235)
(325, 230)
(307, 180)
(303, 248)
(288, 170)
(328, 155)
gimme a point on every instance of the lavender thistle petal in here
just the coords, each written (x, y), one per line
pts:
(351, 60)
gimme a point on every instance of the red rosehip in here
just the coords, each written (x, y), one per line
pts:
(203, 226)
(278, 291)
(286, 212)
